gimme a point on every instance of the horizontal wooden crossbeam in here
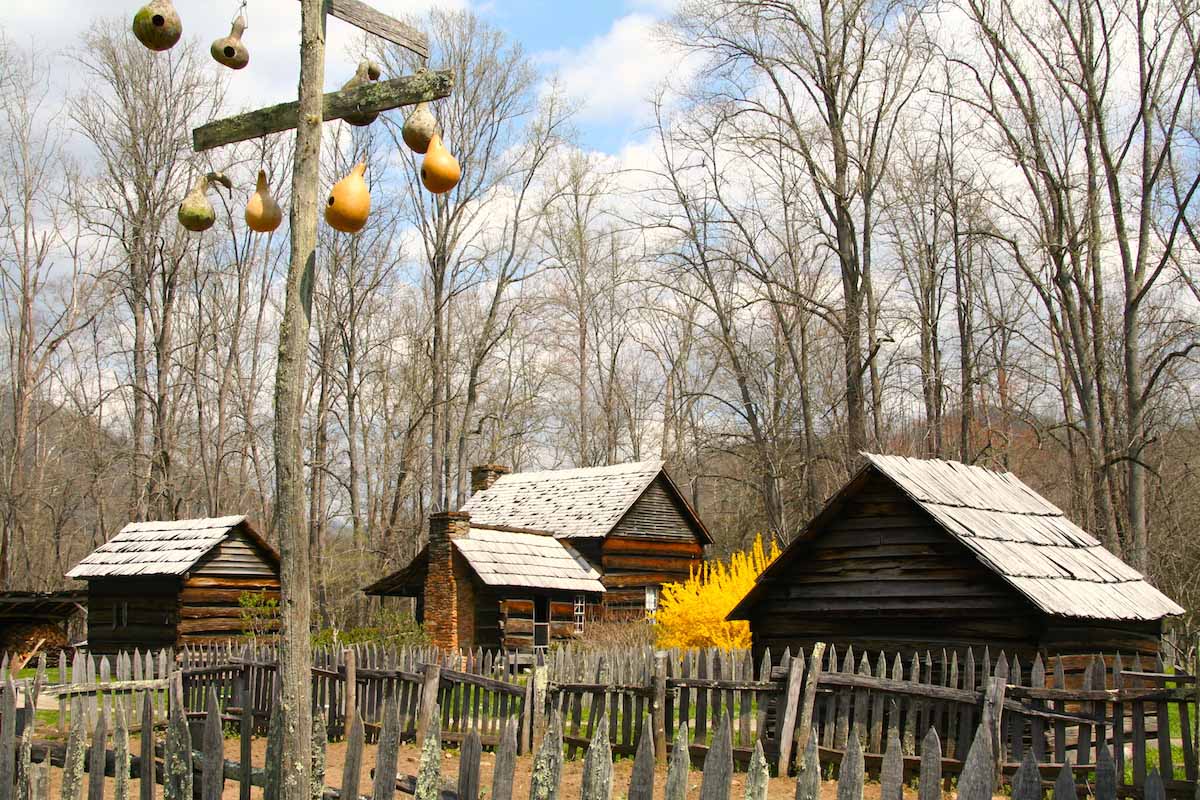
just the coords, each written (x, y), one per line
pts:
(361, 15)
(365, 99)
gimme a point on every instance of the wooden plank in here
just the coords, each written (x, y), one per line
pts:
(852, 771)
(788, 713)
(368, 98)
(366, 18)
(95, 762)
(717, 779)
(929, 786)
(641, 778)
(506, 763)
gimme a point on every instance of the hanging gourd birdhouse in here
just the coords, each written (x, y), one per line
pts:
(439, 171)
(263, 214)
(367, 71)
(157, 25)
(349, 202)
(230, 50)
(419, 129)
(196, 213)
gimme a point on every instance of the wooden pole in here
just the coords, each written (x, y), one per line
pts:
(295, 661)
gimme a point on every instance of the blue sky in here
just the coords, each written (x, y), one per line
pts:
(603, 51)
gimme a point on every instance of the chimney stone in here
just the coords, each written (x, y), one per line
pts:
(449, 593)
(484, 475)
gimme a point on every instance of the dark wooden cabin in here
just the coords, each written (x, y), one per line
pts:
(604, 540)
(924, 554)
(169, 584)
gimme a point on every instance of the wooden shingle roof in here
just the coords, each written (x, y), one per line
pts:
(161, 548)
(568, 503)
(504, 558)
(1017, 534)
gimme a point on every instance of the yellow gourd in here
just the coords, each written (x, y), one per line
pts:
(349, 202)
(263, 214)
(157, 25)
(419, 129)
(367, 71)
(439, 171)
(196, 212)
(229, 50)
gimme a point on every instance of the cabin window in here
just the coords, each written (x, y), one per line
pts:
(580, 611)
(651, 601)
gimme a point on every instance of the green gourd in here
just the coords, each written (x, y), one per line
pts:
(367, 71)
(419, 128)
(196, 213)
(157, 25)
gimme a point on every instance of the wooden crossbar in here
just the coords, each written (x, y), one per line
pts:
(368, 98)
(361, 15)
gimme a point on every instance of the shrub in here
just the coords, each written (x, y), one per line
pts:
(260, 614)
(386, 626)
(692, 613)
(615, 634)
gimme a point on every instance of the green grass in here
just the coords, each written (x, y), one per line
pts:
(1152, 763)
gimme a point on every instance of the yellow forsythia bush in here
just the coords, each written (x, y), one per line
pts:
(692, 613)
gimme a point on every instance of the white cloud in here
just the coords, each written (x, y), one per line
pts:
(613, 75)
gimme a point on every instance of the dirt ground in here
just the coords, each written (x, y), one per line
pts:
(780, 789)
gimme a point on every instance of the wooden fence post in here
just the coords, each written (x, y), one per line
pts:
(758, 775)
(718, 764)
(929, 786)
(658, 710)
(597, 763)
(212, 775)
(429, 770)
(891, 773)
(786, 726)
(547, 766)
(852, 773)
(506, 762)
(808, 701)
(678, 764)
(351, 694)
(389, 748)
(429, 699)
(8, 735)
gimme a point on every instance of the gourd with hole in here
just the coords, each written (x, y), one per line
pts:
(367, 71)
(349, 202)
(419, 129)
(196, 213)
(157, 25)
(440, 171)
(263, 214)
(230, 50)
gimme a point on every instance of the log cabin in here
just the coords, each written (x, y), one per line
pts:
(531, 558)
(170, 584)
(917, 555)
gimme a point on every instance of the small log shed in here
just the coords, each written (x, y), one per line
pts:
(915, 555)
(169, 584)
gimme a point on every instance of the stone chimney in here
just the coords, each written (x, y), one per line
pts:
(484, 475)
(449, 593)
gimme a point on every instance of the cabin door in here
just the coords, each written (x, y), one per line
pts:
(541, 622)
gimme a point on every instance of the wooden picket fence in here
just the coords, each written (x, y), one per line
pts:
(473, 691)
(100, 682)
(1068, 714)
(185, 768)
